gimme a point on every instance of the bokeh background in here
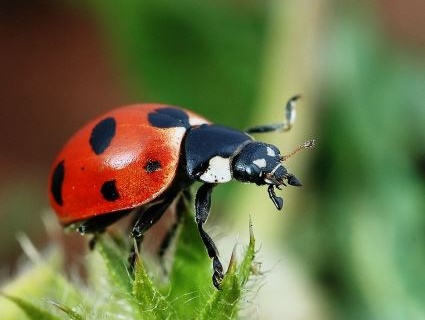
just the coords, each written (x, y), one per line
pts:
(351, 243)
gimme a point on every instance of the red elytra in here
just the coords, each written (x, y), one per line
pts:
(129, 164)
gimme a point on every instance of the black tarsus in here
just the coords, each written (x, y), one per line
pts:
(93, 241)
(284, 126)
(265, 128)
(202, 207)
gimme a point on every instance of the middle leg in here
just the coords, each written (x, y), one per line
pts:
(144, 220)
(286, 125)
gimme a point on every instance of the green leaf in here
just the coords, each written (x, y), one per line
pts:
(32, 311)
(115, 264)
(152, 304)
(191, 272)
(112, 292)
(73, 315)
(121, 299)
(245, 269)
(43, 279)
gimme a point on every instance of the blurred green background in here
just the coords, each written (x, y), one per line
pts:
(351, 243)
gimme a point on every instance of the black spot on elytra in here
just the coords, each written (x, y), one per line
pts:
(102, 135)
(169, 118)
(152, 165)
(57, 181)
(109, 191)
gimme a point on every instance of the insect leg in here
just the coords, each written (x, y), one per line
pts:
(145, 219)
(98, 224)
(277, 201)
(202, 207)
(286, 125)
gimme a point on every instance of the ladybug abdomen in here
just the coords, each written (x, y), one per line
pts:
(116, 162)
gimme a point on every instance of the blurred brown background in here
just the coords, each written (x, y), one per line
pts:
(55, 74)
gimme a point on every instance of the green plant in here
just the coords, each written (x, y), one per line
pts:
(112, 292)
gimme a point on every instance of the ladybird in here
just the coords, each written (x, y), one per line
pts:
(138, 159)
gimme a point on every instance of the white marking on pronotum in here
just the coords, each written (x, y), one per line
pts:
(195, 121)
(270, 152)
(261, 163)
(218, 171)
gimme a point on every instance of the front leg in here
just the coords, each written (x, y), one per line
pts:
(277, 201)
(203, 207)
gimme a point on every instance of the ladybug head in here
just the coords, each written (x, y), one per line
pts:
(261, 163)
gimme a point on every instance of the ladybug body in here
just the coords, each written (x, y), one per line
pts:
(118, 161)
(140, 158)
